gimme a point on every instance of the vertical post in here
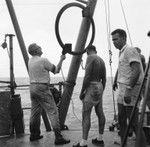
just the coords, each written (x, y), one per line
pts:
(11, 63)
(137, 100)
(75, 64)
(15, 102)
(141, 138)
(18, 31)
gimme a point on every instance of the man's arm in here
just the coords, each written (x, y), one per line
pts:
(104, 77)
(87, 76)
(133, 80)
(115, 81)
(59, 65)
(143, 62)
(86, 79)
(135, 73)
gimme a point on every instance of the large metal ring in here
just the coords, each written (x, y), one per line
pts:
(57, 27)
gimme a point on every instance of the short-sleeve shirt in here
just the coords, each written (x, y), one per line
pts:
(39, 69)
(148, 86)
(126, 57)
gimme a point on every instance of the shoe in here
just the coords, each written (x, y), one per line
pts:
(97, 142)
(64, 127)
(130, 134)
(34, 138)
(78, 145)
(132, 138)
(118, 133)
(117, 141)
(61, 141)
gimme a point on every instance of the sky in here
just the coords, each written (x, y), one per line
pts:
(36, 19)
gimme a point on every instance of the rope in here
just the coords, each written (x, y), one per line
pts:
(127, 26)
(107, 12)
(73, 110)
(72, 102)
(82, 66)
(62, 73)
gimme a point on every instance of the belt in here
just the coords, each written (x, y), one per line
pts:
(95, 82)
(39, 83)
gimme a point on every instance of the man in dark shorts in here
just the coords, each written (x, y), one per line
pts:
(91, 96)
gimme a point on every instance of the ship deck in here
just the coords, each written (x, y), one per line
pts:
(48, 140)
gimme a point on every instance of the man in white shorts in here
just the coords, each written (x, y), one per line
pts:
(129, 78)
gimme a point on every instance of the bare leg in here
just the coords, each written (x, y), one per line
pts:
(86, 120)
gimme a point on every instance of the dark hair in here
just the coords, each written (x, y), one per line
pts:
(91, 48)
(121, 33)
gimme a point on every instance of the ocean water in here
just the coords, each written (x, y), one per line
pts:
(74, 115)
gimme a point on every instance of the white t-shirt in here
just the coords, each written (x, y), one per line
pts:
(39, 69)
(127, 56)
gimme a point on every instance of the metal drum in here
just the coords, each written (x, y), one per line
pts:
(5, 118)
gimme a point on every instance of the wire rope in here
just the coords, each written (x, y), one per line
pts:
(72, 102)
(62, 74)
(82, 66)
(107, 12)
(127, 26)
